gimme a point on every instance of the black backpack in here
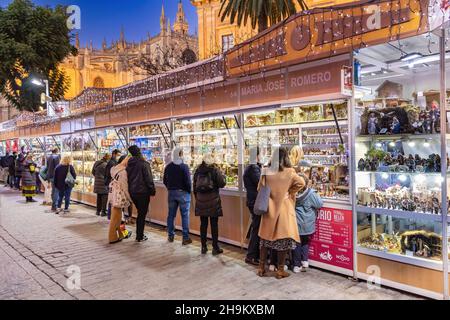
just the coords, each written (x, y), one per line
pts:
(204, 183)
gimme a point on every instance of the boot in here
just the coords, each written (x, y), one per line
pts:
(262, 268)
(262, 262)
(281, 273)
(281, 261)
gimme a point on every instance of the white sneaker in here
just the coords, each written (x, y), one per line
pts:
(298, 269)
(272, 268)
(305, 266)
(286, 268)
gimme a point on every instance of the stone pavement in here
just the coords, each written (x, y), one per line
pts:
(38, 248)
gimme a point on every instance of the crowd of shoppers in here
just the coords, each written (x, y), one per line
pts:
(122, 182)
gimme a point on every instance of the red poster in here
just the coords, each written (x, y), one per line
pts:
(333, 241)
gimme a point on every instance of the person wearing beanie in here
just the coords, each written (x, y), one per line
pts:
(141, 187)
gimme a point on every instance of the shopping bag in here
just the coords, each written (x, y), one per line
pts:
(262, 200)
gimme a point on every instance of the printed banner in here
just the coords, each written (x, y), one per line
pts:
(333, 241)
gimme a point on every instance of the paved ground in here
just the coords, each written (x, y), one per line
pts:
(38, 247)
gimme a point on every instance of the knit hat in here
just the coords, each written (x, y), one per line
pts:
(135, 151)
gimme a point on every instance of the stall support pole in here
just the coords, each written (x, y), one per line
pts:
(241, 146)
(444, 163)
(351, 164)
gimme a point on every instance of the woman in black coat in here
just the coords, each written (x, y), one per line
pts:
(100, 188)
(208, 180)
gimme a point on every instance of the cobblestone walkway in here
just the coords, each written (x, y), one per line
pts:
(37, 249)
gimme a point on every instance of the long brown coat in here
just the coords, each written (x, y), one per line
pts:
(281, 222)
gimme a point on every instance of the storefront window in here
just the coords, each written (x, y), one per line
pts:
(401, 236)
(109, 140)
(398, 148)
(215, 136)
(155, 142)
(313, 128)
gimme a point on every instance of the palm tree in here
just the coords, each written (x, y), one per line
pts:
(260, 12)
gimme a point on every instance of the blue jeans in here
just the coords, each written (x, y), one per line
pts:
(182, 199)
(64, 194)
(301, 252)
(55, 193)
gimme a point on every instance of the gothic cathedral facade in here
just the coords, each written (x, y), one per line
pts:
(114, 65)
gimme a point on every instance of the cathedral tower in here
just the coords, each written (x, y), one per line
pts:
(181, 25)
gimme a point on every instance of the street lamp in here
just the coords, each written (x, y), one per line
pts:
(42, 83)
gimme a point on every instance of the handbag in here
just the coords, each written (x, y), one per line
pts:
(70, 180)
(262, 200)
(43, 173)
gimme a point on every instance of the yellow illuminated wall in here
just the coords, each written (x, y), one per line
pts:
(212, 32)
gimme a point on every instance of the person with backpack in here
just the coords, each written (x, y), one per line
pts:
(29, 178)
(252, 175)
(208, 180)
(52, 162)
(64, 180)
(141, 188)
(177, 179)
(307, 206)
(100, 188)
(119, 198)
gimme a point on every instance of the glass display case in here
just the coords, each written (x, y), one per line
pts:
(52, 142)
(35, 147)
(314, 129)
(400, 236)
(110, 139)
(398, 156)
(90, 155)
(154, 141)
(216, 136)
(77, 156)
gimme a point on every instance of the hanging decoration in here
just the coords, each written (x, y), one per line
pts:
(325, 32)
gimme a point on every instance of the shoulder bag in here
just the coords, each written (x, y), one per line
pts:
(262, 199)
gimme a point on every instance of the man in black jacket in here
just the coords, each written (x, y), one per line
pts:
(52, 162)
(177, 179)
(141, 188)
(252, 176)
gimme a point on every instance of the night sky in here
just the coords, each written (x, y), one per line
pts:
(103, 19)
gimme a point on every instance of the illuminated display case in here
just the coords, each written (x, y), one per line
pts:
(215, 136)
(154, 141)
(314, 129)
(110, 139)
(35, 147)
(399, 169)
(90, 155)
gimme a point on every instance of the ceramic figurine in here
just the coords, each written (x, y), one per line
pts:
(411, 163)
(436, 208)
(395, 126)
(417, 125)
(437, 163)
(427, 125)
(361, 164)
(372, 125)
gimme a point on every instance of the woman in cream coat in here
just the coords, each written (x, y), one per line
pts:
(278, 230)
(119, 172)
